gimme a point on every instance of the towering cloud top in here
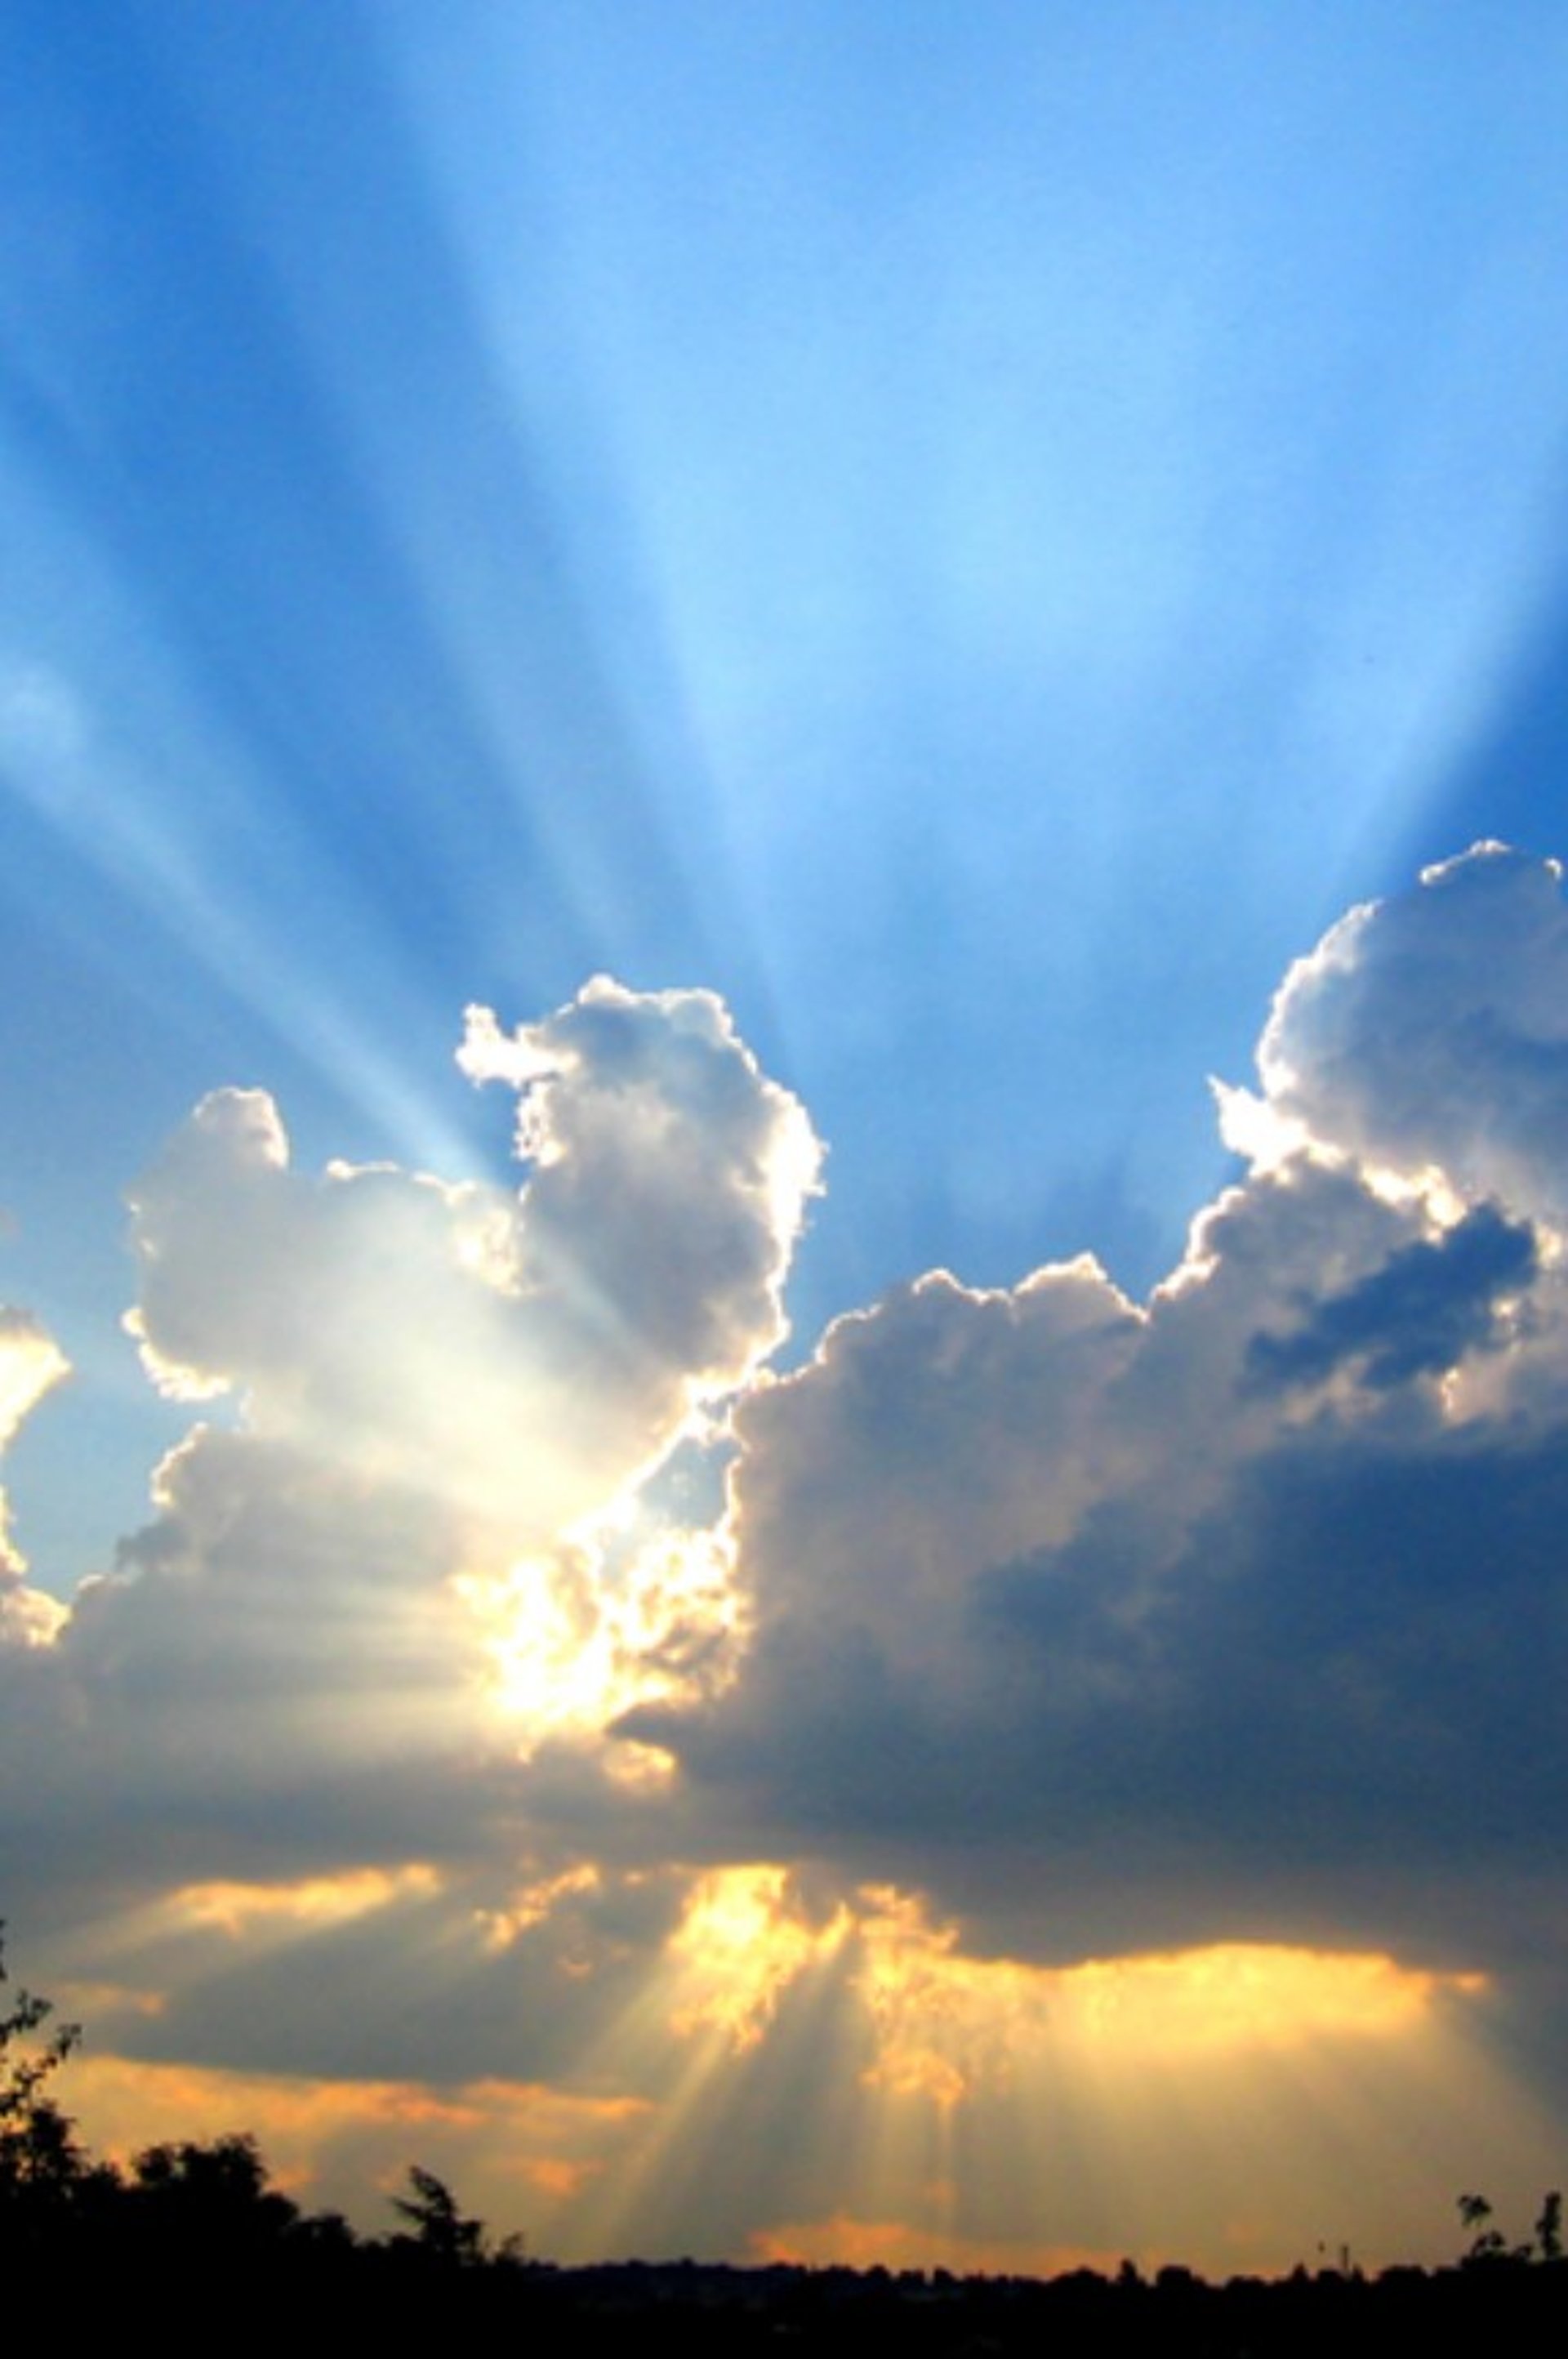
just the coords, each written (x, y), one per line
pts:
(1429, 1033)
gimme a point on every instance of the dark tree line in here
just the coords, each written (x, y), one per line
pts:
(185, 2222)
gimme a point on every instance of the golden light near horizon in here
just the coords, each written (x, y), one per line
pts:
(526, 2149)
(946, 2024)
(935, 2022)
(1132, 2102)
(1212, 2069)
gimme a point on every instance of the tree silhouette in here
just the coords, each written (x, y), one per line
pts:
(37, 2145)
(439, 2228)
(1490, 2244)
(215, 2193)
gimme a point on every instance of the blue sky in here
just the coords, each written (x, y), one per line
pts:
(974, 536)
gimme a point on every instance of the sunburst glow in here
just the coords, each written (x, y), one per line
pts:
(667, 680)
(574, 1643)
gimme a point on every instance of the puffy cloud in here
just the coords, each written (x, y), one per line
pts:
(525, 1356)
(363, 1603)
(980, 1415)
(31, 1363)
(1243, 1612)
(670, 1179)
(1428, 1033)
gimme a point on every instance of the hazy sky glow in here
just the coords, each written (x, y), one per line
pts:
(692, 1533)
